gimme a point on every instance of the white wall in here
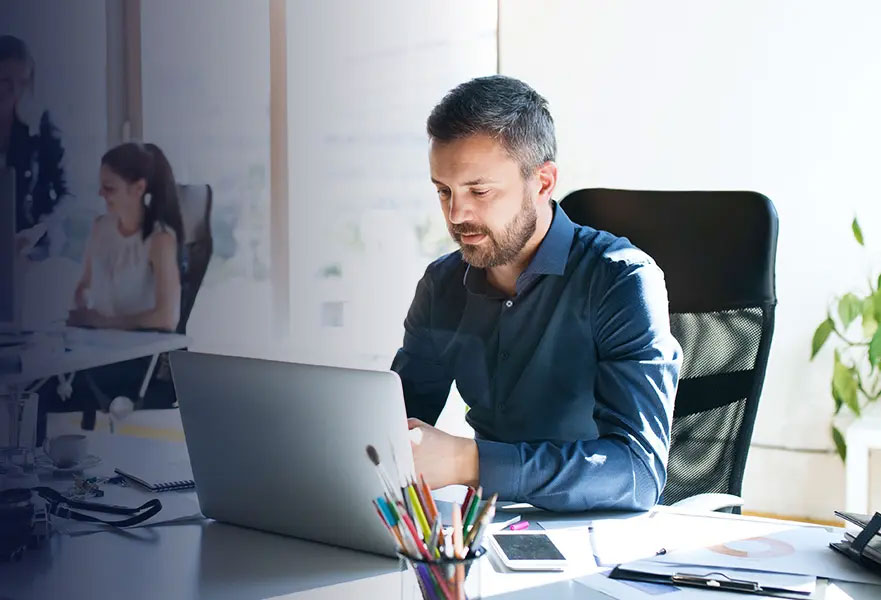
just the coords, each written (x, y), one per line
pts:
(780, 97)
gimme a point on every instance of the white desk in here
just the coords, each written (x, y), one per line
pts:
(213, 560)
(89, 348)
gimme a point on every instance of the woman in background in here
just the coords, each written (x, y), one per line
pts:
(131, 278)
(131, 275)
(34, 151)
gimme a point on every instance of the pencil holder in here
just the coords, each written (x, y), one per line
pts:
(442, 579)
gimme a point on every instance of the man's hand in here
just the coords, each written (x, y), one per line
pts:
(442, 458)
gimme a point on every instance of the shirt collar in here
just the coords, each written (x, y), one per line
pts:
(550, 258)
(553, 252)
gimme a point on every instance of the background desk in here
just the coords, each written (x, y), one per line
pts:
(89, 348)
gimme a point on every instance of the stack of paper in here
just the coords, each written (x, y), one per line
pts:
(785, 557)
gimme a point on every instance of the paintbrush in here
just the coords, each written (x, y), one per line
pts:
(390, 488)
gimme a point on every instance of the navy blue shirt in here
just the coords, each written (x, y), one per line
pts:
(570, 382)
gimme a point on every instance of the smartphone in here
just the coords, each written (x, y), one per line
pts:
(527, 551)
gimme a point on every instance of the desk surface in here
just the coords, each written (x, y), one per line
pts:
(89, 348)
(206, 559)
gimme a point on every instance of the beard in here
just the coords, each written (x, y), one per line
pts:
(499, 248)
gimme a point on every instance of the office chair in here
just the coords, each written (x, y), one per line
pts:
(718, 253)
(196, 250)
(195, 206)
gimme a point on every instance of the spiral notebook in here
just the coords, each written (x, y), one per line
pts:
(165, 477)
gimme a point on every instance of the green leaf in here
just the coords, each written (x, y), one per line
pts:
(840, 446)
(820, 336)
(875, 348)
(876, 301)
(849, 308)
(844, 386)
(870, 324)
(857, 231)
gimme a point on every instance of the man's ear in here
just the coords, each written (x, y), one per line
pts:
(547, 181)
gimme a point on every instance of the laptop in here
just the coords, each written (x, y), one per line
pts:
(281, 447)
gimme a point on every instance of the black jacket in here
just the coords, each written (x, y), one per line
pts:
(39, 175)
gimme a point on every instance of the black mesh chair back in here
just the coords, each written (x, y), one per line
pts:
(198, 245)
(717, 251)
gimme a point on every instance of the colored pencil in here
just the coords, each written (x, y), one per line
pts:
(467, 501)
(472, 511)
(486, 513)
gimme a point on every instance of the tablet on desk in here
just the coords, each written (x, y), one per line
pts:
(527, 551)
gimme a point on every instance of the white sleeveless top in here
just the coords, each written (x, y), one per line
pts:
(122, 281)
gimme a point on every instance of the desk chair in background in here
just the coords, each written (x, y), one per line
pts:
(195, 207)
(198, 246)
(718, 253)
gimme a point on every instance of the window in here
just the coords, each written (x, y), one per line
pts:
(205, 70)
(364, 218)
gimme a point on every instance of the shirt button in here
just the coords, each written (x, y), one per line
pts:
(509, 303)
(504, 355)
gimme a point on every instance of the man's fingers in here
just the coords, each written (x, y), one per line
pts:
(413, 423)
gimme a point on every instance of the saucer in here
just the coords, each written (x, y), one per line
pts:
(88, 462)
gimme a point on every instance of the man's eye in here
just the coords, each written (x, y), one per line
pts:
(443, 193)
(480, 192)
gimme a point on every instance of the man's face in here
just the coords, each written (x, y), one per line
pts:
(489, 208)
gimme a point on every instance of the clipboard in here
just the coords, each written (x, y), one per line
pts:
(714, 580)
(865, 548)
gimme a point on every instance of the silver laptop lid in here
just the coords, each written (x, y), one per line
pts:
(282, 446)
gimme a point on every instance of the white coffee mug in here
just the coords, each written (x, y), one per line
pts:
(66, 450)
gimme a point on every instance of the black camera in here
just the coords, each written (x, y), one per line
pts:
(24, 522)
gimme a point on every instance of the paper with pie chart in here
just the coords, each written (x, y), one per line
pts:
(794, 550)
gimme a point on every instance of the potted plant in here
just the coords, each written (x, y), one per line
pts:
(856, 371)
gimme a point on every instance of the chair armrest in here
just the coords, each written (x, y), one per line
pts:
(708, 502)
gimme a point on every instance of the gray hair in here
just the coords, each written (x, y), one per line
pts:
(503, 108)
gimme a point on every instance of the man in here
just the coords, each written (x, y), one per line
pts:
(557, 335)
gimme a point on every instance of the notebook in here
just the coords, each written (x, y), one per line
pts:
(163, 477)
